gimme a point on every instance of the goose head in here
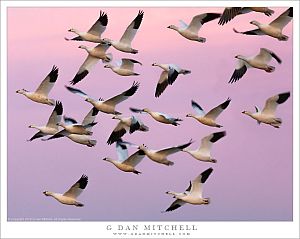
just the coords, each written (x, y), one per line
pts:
(173, 27)
(189, 115)
(108, 66)
(247, 112)
(47, 193)
(22, 91)
(146, 110)
(82, 47)
(72, 30)
(256, 23)
(143, 147)
(154, 64)
(116, 117)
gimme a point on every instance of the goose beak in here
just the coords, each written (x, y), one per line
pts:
(104, 159)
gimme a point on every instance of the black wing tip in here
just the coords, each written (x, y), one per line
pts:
(79, 77)
(276, 57)
(283, 97)
(138, 19)
(183, 146)
(58, 107)
(94, 111)
(290, 12)
(132, 89)
(205, 174)
(103, 19)
(194, 103)
(238, 74)
(53, 73)
(83, 181)
(217, 136)
(226, 103)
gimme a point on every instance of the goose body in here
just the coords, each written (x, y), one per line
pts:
(51, 127)
(230, 12)
(190, 31)
(94, 55)
(260, 61)
(124, 68)
(107, 106)
(203, 153)
(40, 95)
(126, 124)
(94, 33)
(124, 44)
(69, 197)
(160, 117)
(267, 115)
(209, 118)
(274, 28)
(168, 76)
(125, 163)
(160, 156)
(193, 194)
(80, 137)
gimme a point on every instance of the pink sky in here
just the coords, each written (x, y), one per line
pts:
(253, 161)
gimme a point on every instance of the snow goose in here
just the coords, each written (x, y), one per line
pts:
(259, 61)
(160, 117)
(160, 156)
(168, 76)
(107, 106)
(94, 55)
(69, 197)
(230, 12)
(210, 117)
(126, 124)
(125, 163)
(203, 152)
(124, 44)
(267, 115)
(274, 28)
(193, 194)
(190, 31)
(51, 127)
(94, 33)
(87, 123)
(124, 67)
(41, 93)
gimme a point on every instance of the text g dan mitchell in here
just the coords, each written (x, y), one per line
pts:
(151, 227)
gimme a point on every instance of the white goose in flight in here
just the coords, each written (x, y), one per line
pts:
(168, 76)
(209, 118)
(69, 197)
(160, 156)
(125, 67)
(203, 152)
(190, 31)
(89, 119)
(230, 12)
(40, 95)
(107, 106)
(51, 127)
(126, 124)
(274, 28)
(193, 194)
(160, 117)
(125, 163)
(94, 55)
(124, 44)
(87, 124)
(260, 61)
(267, 115)
(94, 33)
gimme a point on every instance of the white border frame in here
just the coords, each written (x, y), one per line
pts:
(98, 229)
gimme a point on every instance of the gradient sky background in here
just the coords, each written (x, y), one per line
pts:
(253, 177)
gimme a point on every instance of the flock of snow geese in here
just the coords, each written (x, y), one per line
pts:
(82, 132)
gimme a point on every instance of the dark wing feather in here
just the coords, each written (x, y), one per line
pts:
(238, 74)
(78, 77)
(37, 135)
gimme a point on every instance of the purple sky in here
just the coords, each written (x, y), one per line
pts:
(253, 177)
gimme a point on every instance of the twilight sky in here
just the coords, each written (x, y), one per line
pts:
(253, 177)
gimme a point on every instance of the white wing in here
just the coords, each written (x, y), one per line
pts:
(273, 102)
(84, 69)
(132, 29)
(207, 142)
(135, 158)
(48, 83)
(77, 188)
(100, 25)
(265, 55)
(198, 109)
(128, 63)
(215, 112)
(281, 21)
(201, 19)
(56, 115)
(122, 151)
(90, 117)
(123, 96)
(197, 183)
